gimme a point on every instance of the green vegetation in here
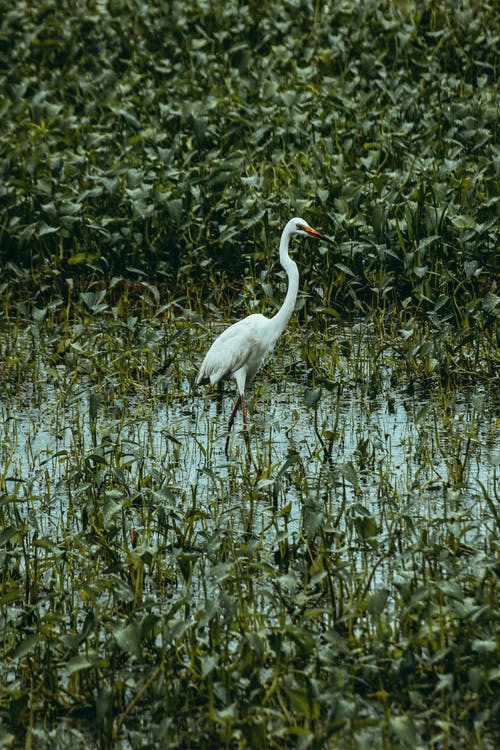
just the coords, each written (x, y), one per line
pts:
(340, 589)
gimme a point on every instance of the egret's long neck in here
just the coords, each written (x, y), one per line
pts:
(284, 313)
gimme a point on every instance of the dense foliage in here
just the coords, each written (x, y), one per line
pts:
(174, 139)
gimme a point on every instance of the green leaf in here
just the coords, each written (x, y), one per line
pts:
(129, 638)
(39, 314)
(463, 221)
(45, 229)
(348, 471)
(208, 664)
(471, 268)
(104, 704)
(490, 302)
(301, 702)
(79, 258)
(404, 728)
(7, 534)
(366, 526)
(421, 271)
(27, 645)
(484, 646)
(376, 602)
(445, 683)
(345, 269)
(174, 208)
(76, 664)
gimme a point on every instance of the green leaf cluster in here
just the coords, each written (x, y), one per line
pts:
(172, 140)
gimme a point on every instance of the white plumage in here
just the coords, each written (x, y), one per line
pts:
(240, 350)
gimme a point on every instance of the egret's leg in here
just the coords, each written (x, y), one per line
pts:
(231, 419)
(233, 413)
(244, 413)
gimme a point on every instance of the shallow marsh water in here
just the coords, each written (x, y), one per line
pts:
(352, 456)
(133, 548)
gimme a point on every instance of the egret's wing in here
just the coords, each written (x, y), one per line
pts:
(236, 346)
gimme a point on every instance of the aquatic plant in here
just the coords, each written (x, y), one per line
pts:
(341, 589)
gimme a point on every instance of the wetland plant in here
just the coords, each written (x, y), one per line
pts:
(341, 590)
(153, 588)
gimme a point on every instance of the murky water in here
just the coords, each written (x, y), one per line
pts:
(375, 473)
(393, 449)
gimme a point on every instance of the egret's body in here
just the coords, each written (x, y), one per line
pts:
(240, 350)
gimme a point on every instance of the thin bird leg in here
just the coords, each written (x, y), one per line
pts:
(233, 413)
(244, 413)
(231, 420)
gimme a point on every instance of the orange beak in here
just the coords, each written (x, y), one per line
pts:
(315, 233)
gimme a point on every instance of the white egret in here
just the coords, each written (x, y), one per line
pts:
(240, 350)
